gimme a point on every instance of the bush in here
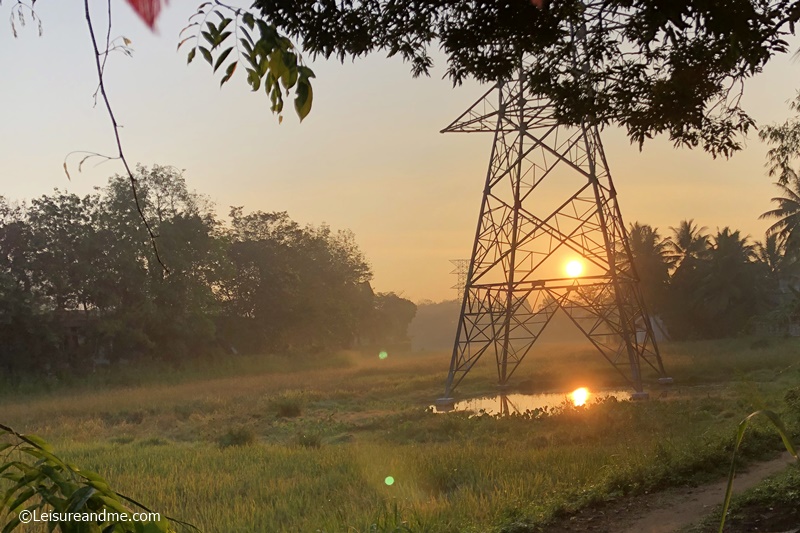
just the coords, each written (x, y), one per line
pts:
(288, 405)
(237, 437)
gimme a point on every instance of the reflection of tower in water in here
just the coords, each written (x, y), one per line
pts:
(548, 196)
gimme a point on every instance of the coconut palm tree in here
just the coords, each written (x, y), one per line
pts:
(688, 241)
(787, 225)
(729, 293)
(772, 255)
(652, 265)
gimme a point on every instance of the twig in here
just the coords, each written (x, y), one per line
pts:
(99, 67)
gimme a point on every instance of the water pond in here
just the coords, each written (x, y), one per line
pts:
(519, 403)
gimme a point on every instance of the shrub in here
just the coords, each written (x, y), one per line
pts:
(241, 436)
(288, 405)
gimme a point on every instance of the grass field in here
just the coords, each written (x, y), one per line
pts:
(293, 444)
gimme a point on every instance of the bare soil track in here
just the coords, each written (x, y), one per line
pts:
(672, 510)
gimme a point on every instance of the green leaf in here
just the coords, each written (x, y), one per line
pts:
(249, 20)
(253, 79)
(289, 78)
(92, 476)
(39, 442)
(277, 99)
(228, 73)
(277, 66)
(221, 38)
(113, 504)
(80, 497)
(183, 41)
(11, 464)
(247, 34)
(303, 99)
(263, 66)
(191, 55)
(221, 59)
(208, 37)
(206, 55)
(305, 72)
(776, 421)
(21, 498)
(246, 45)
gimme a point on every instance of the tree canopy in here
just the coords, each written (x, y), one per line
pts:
(651, 66)
(79, 282)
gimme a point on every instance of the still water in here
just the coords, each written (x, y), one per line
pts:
(519, 403)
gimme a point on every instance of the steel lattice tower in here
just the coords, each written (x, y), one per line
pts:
(461, 270)
(548, 197)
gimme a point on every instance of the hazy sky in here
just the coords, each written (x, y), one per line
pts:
(369, 157)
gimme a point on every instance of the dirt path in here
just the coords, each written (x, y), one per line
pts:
(669, 511)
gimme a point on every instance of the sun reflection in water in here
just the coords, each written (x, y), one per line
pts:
(579, 396)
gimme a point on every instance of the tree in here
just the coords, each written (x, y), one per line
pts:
(787, 226)
(729, 293)
(652, 66)
(778, 267)
(785, 141)
(26, 338)
(172, 312)
(650, 258)
(661, 66)
(298, 287)
(779, 272)
(688, 243)
(388, 323)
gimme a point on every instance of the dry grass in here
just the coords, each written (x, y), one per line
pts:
(233, 454)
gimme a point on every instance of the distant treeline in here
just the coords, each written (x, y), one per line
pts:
(80, 281)
(720, 285)
(699, 286)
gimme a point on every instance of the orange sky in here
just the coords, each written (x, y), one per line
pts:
(368, 158)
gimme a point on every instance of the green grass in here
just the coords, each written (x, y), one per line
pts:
(307, 446)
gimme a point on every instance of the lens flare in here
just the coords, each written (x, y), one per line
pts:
(383, 355)
(579, 396)
(389, 480)
(574, 268)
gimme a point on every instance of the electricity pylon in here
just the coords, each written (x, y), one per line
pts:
(548, 198)
(461, 269)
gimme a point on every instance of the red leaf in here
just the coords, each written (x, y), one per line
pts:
(147, 9)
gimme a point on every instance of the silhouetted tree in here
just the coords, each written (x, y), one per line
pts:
(662, 67)
(300, 287)
(650, 258)
(787, 226)
(687, 242)
(729, 293)
(388, 323)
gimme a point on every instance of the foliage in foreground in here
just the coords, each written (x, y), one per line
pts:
(778, 423)
(42, 482)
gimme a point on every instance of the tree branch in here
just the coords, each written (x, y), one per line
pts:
(115, 126)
